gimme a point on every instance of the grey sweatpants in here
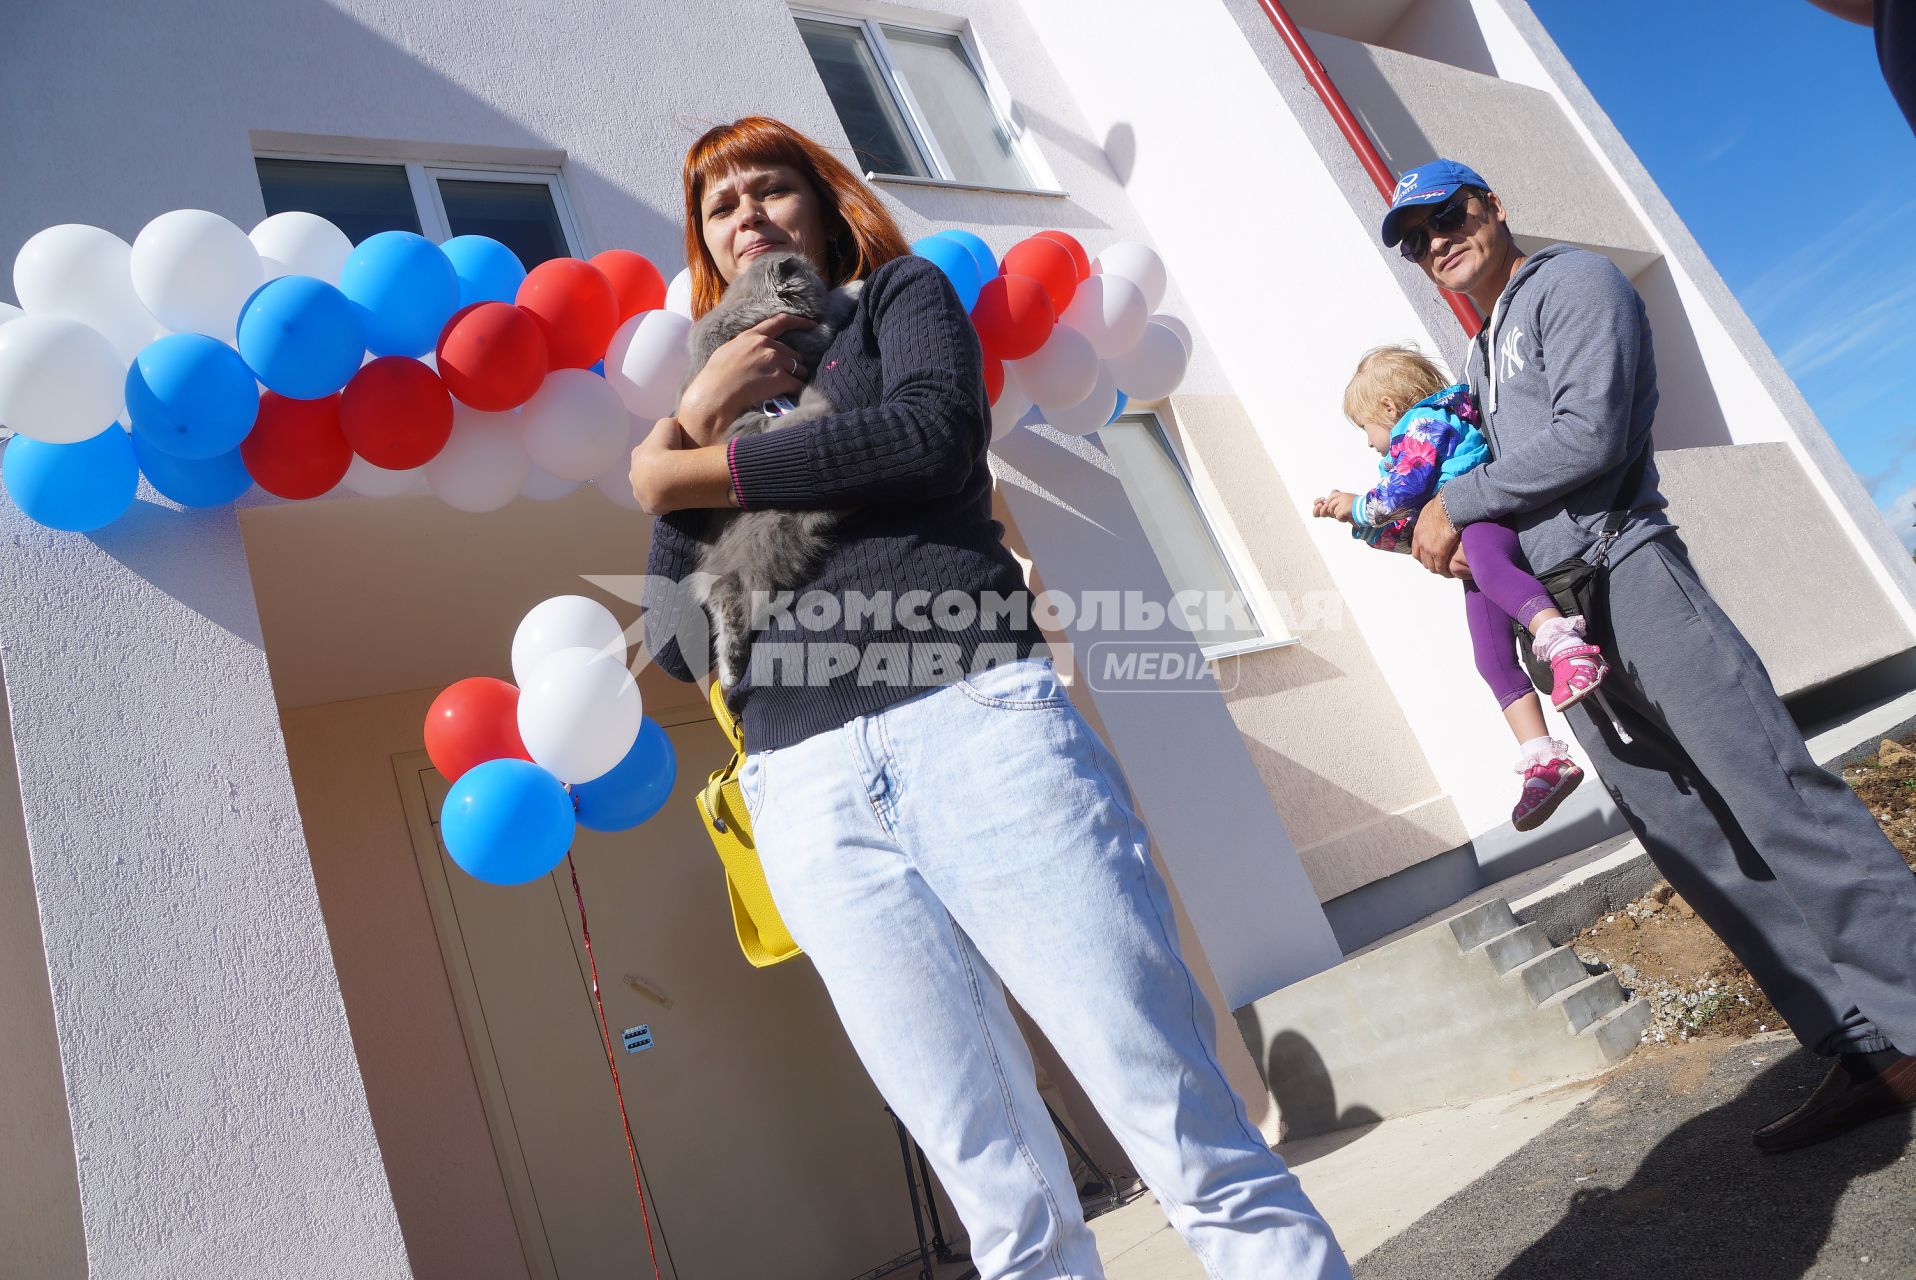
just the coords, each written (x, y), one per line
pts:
(1775, 853)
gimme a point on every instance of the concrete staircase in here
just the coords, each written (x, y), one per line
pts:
(1475, 1005)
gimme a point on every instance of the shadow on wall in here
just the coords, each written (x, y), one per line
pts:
(1689, 412)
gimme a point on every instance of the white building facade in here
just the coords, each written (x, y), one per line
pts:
(259, 1026)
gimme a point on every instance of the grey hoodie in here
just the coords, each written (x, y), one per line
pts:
(1567, 403)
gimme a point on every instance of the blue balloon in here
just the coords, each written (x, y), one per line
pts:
(507, 822)
(599, 368)
(191, 396)
(76, 487)
(1123, 400)
(955, 260)
(487, 270)
(980, 252)
(406, 290)
(301, 337)
(636, 788)
(201, 482)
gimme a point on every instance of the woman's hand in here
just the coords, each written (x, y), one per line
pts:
(670, 473)
(1335, 505)
(750, 369)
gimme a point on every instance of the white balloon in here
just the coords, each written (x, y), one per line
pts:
(564, 622)
(1178, 327)
(1153, 368)
(542, 486)
(647, 363)
(1089, 414)
(1138, 263)
(60, 381)
(1062, 371)
(369, 481)
(85, 274)
(301, 244)
(1012, 405)
(484, 464)
(1110, 311)
(615, 482)
(194, 270)
(678, 294)
(10, 312)
(575, 425)
(579, 714)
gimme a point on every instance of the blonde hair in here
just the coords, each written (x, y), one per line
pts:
(1399, 373)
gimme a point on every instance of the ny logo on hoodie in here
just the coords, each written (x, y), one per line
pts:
(1513, 361)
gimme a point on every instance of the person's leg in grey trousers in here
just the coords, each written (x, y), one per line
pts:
(1775, 853)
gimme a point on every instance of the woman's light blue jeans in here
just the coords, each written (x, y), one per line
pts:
(982, 830)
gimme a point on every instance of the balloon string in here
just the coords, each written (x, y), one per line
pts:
(612, 1064)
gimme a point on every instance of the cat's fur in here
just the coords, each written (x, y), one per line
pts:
(748, 552)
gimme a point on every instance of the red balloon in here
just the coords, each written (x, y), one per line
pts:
(1079, 258)
(636, 282)
(1047, 262)
(1013, 316)
(296, 449)
(994, 377)
(492, 356)
(396, 413)
(575, 303)
(472, 722)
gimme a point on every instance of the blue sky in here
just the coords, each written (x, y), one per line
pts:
(1767, 124)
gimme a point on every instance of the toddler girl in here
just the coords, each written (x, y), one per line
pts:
(1426, 428)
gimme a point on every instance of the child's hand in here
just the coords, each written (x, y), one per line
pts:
(1336, 505)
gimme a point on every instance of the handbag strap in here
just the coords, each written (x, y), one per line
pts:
(1613, 523)
(735, 734)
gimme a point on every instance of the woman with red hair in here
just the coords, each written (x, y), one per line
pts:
(932, 813)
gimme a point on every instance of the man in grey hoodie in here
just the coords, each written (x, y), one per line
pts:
(1774, 852)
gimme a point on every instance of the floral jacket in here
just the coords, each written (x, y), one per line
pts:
(1434, 442)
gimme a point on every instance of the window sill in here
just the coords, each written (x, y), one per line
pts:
(952, 184)
(1239, 648)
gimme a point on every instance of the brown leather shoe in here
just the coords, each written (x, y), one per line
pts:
(1838, 1105)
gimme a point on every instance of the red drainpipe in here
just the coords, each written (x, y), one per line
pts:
(1360, 143)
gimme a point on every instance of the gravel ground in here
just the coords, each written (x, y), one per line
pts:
(1655, 1176)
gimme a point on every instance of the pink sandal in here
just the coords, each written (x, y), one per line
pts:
(1578, 671)
(1546, 784)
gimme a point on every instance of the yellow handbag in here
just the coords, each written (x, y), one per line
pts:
(762, 934)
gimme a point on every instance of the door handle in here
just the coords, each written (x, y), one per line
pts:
(648, 990)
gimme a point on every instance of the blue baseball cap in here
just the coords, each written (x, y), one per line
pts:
(1429, 183)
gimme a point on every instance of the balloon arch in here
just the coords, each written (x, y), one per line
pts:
(210, 360)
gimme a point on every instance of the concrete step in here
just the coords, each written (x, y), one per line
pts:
(1470, 1006)
(1557, 969)
(1511, 948)
(1618, 1032)
(1481, 923)
(1588, 1000)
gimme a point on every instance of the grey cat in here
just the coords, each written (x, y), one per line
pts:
(744, 553)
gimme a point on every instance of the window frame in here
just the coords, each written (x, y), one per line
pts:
(1042, 181)
(1265, 614)
(422, 179)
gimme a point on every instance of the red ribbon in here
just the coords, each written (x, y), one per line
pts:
(612, 1065)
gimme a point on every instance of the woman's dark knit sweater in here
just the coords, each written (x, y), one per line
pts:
(904, 459)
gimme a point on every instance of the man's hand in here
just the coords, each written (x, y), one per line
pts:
(1335, 505)
(1434, 540)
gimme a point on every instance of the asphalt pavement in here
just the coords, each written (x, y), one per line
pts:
(1655, 1176)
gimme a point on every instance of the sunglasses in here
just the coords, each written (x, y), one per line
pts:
(1448, 217)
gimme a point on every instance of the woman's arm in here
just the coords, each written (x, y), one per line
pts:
(673, 620)
(921, 440)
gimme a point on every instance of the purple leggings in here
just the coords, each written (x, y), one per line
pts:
(1499, 589)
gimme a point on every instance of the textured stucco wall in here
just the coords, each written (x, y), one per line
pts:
(1315, 713)
(218, 1117)
(445, 1178)
(40, 1231)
